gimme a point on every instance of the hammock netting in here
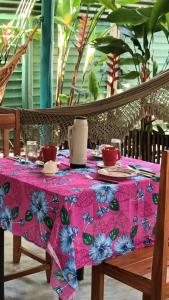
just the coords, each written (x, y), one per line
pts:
(108, 118)
(7, 70)
(9, 38)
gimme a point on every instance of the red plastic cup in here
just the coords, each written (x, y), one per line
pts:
(47, 153)
(110, 156)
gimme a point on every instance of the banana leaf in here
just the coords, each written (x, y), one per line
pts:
(93, 85)
(160, 7)
(113, 45)
(127, 16)
(107, 3)
(125, 2)
(136, 60)
(131, 75)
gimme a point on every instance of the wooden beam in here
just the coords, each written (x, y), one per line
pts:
(46, 65)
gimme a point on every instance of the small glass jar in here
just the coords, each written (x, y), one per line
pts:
(31, 151)
(116, 143)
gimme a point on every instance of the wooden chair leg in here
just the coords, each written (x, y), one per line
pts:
(49, 261)
(146, 297)
(97, 289)
(80, 274)
(16, 249)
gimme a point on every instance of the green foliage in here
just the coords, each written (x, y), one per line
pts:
(127, 16)
(107, 3)
(93, 85)
(109, 44)
(114, 205)
(15, 212)
(6, 187)
(114, 233)
(160, 8)
(125, 2)
(64, 216)
(130, 75)
(88, 239)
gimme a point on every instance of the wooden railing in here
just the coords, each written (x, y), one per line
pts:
(145, 145)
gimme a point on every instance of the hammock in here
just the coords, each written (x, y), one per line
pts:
(107, 118)
(7, 70)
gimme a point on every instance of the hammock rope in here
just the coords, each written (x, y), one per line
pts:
(7, 70)
(108, 118)
(10, 39)
(19, 21)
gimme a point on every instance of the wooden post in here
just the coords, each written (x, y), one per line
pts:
(46, 66)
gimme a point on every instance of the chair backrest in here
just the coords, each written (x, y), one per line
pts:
(10, 121)
(159, 267)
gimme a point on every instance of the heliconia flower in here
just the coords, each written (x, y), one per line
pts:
(82, 32)
(113, 64)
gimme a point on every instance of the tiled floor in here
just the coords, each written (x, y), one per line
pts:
(34, 287)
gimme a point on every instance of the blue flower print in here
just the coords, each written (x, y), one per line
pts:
(101, 249)
(140, 194)
(66, 199)
(105, 193)
(69, 273)
(73, 199)
(21, 222)
(39, 205)
(66, 239)
(75, 230)
(62, 172)
(101, 212)
(44, 236)
(147, 241)
(135, 219)
(150, 188)
(88, 218)
(144, 221)
(58, 290)
(65, 153)
(136, 182)
(6, 219)
(124, 244)
(55, 199)
(84, 170)
(2, 194)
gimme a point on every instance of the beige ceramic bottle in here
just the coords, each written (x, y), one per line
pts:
(77, 139)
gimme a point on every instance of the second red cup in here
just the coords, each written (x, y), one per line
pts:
(110, 156)
(47, 153)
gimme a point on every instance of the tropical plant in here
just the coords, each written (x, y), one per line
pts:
(139, 26)
(78, 29)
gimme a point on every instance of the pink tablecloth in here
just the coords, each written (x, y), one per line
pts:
(80, 221)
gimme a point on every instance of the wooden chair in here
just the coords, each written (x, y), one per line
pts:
(143, 269)
(12, 121)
